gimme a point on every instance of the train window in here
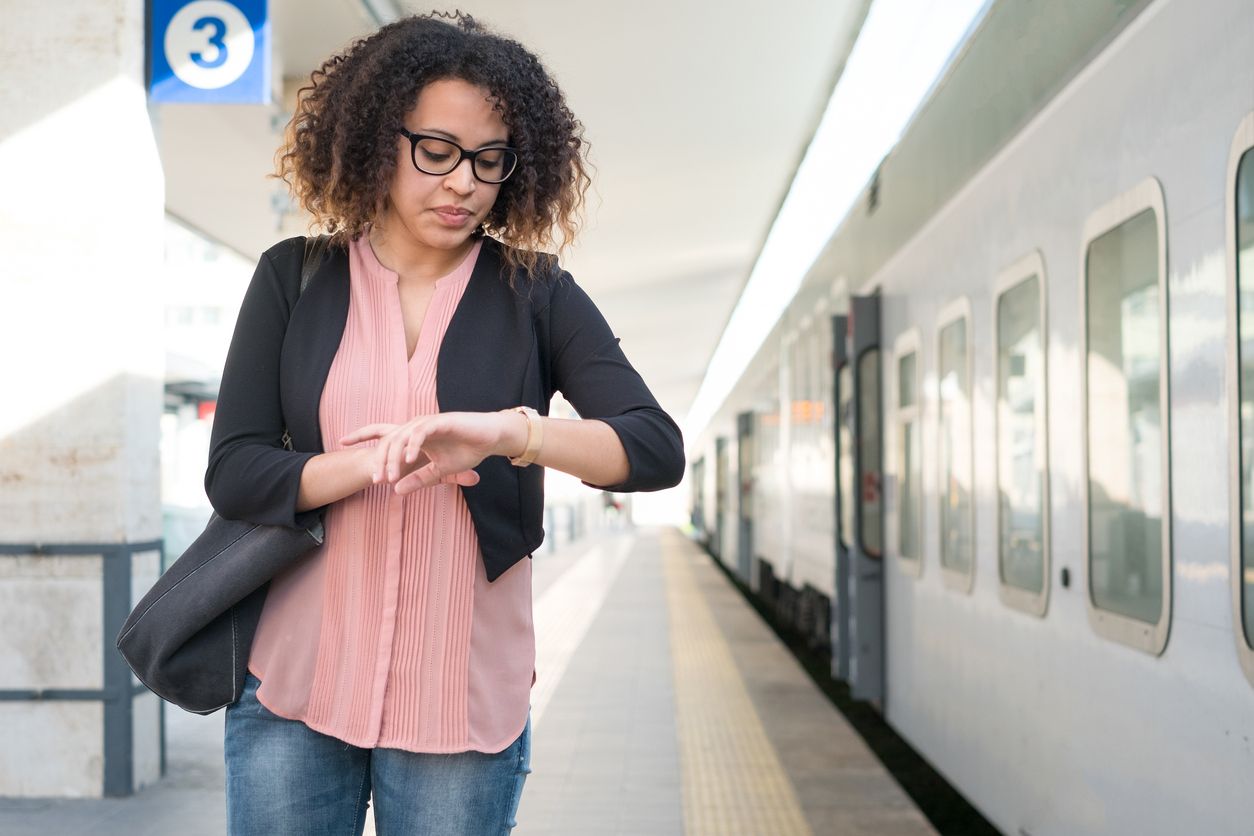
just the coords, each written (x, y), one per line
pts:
(1241, 326)
(697, 504)
(1127, 536)
(908, 453)
(869, 476)
(906, 368)
(1022, 451)
(957, 510)
(845, 482)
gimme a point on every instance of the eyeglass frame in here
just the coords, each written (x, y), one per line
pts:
(463, 154)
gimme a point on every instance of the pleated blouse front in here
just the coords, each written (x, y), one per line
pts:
(390, 634)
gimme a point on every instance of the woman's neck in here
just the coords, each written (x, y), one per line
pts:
(412, 260)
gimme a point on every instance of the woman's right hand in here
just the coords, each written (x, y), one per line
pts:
(459, 441)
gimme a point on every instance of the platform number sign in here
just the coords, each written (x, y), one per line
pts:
(210, 51)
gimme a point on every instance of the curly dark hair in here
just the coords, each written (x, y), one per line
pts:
(339, 153)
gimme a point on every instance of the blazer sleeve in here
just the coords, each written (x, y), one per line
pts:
(251, 476)
(590, 370)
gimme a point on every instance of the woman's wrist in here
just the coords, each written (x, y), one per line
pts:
(330, 477)
(513, 438)
(364, 465)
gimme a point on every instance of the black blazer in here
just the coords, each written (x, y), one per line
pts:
(504, 347)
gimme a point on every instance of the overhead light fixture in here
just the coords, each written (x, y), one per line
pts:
(382, 12)
(904, 47)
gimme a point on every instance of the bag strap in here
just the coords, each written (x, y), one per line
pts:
(315, 247)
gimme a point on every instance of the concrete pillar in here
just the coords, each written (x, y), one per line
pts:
(81, 216)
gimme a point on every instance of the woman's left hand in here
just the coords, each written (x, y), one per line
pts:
(430, 449)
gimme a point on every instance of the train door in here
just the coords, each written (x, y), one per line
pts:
(842, 395)
(866, 569)
(697, 500)
(720, 494)
(744, 513)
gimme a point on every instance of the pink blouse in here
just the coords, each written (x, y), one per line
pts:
(389, 634)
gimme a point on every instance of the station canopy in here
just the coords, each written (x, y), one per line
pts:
(697, 114)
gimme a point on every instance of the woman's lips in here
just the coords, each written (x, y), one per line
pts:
(453, 218)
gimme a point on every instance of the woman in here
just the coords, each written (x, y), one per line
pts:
(413, 375)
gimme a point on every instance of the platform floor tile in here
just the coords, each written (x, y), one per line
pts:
(664, 705)
(605, 755)
(841, 786)
(681, 712)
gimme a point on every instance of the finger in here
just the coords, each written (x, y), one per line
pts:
(366, 433)
(376, 463)
(429, 474)
(414, 446)
(415, 481)
(466, 479)
(409, 484)
(423, 477)
(396, 452)
(381, 460)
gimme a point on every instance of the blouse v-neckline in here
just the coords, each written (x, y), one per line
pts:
(453, 283)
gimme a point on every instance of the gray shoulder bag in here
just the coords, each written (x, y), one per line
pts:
(189, 638)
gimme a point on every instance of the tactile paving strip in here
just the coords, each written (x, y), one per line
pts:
(733, 782)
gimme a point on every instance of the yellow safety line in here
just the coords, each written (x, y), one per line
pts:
(733, 782)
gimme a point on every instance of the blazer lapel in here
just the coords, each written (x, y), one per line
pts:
(313, 336)
(483, 359)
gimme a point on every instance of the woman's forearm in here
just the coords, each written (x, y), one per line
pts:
(588, 449)
(332, 476)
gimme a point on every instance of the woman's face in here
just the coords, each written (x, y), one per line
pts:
(442, 210)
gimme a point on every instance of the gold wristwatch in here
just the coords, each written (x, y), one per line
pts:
(535, 437)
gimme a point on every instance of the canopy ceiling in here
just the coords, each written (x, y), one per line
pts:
(697, 114)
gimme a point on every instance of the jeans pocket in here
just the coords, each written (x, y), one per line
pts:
(247, 702)
(521, 771)
(524, 748)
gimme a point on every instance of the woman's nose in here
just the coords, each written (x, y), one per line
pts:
(462, 178)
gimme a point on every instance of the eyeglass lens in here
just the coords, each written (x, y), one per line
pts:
(435, 156)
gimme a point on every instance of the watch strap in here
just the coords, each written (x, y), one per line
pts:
(535, 437)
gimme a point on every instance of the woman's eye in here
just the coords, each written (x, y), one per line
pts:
(435, 158)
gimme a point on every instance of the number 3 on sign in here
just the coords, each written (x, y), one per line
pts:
(209, 44)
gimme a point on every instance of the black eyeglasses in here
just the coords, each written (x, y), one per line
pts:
(434, 155)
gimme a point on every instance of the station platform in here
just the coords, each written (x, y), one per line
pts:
(663, 705)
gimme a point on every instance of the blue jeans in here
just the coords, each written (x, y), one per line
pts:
(282, 777)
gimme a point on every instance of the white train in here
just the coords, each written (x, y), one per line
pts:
(998, 454)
